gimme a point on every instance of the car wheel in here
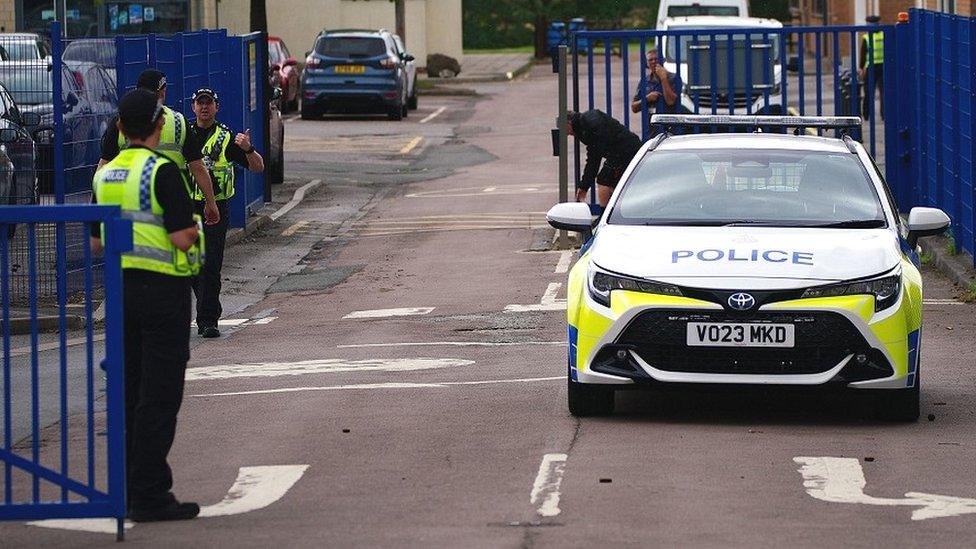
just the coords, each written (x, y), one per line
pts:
(396, 112)
(412, 100)
(309, 112)
(902, 405)
(589, 400)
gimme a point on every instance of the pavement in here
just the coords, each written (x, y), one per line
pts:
(488, 67)
(381, 390)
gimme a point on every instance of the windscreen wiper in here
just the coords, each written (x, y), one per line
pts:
(854, 224)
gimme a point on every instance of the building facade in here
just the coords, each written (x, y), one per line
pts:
(432, 26)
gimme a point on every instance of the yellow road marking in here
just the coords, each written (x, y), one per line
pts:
(410, 146)
(294, 228)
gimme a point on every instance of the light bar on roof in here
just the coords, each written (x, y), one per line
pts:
(749, 120)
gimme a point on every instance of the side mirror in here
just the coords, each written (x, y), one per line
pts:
(276, 94)
(926, 222)
(30, 119)
(275, 67)
(408, 58)
(71, 101)
(8, 135)
(571, 216)
(291, 62)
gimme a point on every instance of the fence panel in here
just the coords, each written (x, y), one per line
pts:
(54, 465)
(245, 108)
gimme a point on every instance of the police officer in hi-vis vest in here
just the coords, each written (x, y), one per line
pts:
(176, 142)
(167, 251)
(221, 149)
(876, 66)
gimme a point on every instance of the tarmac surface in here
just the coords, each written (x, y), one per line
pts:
(379, 366)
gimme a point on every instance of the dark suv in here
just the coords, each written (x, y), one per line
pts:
(355, 71)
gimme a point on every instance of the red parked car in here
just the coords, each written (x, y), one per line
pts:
(288, 75)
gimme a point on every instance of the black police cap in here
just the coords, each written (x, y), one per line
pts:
(152, 80)
(139, 110)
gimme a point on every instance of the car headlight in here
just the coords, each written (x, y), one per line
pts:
(885, 290)
(601, 283)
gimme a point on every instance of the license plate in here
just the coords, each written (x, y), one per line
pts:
(729, 334)
(350, 69)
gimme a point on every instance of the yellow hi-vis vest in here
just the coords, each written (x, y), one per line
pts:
(172, 138)
(220, 167)
(877, 47)
(129, 181)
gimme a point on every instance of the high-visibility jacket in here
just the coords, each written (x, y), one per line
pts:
(171, 140)
(215, 159)
(877, 47)
(129, 181)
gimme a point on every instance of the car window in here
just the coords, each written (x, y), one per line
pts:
(27, 85)
(399, 45)
(349, 46)
(775, 187)
(740, 45)
(21, 50)
(284, 50)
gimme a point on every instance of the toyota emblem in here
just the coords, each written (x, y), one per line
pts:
(742, 301)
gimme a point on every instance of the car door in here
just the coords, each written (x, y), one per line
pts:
(410, 66)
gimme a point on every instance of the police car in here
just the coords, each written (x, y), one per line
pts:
(748, 259)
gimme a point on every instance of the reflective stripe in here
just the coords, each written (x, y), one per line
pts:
(143, 217)
(178, 127)
(145, 184)
(148, 252)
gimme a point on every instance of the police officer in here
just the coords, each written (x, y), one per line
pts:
(222, 148)
(876, 83)
(176, 142)
(152, 192)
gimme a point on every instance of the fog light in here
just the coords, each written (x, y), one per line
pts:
(621, 355)
(861, 358)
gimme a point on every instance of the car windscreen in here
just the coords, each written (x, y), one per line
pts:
(748, 186)
(348, 46)
(21, 50)
(695, 9)
(28, 86)
(699, 45)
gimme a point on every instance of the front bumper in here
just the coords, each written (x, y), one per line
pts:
(641, 339)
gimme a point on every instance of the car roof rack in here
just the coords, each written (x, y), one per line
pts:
(757, 121)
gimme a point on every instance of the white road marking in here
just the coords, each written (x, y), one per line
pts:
(547, 303)
(943, 302)
(324, 366)
(841, 480)
(254, 489)
(294, 228)
(474, 191)
(370, 386)
(240, 322)
(410, 146)
(451, 344)
(545, 490)
(295, 199)
(386, 313)
(432, 115)
(565, 260)
(488, 189)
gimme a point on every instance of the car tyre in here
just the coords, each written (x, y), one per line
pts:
(412, 100)
(589, 400)
(900, 405)
(310, 113)
(396, 112)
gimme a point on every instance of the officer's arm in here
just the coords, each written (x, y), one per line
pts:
(184, 239)
(202, 178)
(255, 162)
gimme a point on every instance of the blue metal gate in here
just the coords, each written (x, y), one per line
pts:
(769, 70)
(63, 448)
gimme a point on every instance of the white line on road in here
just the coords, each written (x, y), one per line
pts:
(370, 386)
(841, 480)
(547, 303)
(943, 302)
(488, 189)
(432, 115)
(545, 490)
(240, 322)
(565, 260)
(256, 488)
(409, 146)
(451, 344)
(386, 313)
(294, 228)
(296, 199)
(324, 366)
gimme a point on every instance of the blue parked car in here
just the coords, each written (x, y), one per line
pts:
(355, 71)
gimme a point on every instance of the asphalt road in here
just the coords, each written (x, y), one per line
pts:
(447, 427)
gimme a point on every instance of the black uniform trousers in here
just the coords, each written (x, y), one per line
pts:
(877, 80)
(157, 347)
(206, 285)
